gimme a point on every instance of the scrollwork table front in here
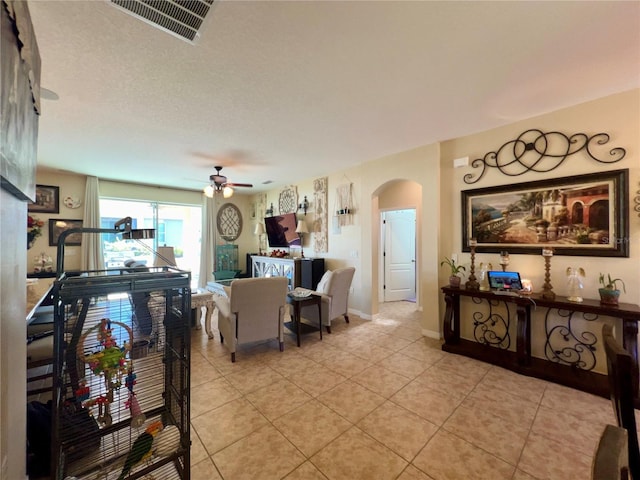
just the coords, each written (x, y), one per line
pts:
(571, 338)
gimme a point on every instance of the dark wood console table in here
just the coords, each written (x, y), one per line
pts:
(570, 358)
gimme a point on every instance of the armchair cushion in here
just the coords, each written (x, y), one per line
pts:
(335, 296)
(222, 303)
(255, 311)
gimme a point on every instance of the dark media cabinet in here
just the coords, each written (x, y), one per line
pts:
(301, 272)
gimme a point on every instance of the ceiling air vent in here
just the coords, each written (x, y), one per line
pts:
(182, 18)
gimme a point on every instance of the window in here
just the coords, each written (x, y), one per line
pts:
(178, 226)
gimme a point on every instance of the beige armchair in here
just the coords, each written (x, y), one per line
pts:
(253, 311)
(334, 289)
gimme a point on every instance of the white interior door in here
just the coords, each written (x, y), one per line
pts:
(399, 255)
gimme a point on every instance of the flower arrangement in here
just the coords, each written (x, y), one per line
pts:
(34, 229)
(43, 263)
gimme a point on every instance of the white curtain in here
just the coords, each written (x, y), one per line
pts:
(91, 257)
(207, 249)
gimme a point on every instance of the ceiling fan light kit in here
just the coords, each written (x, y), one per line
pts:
(219, 184)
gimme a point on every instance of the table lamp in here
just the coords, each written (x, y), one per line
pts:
(301, 229)
(164, 257)
(259, 231)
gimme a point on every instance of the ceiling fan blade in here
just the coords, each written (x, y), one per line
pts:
(220, 181)
(230, 184)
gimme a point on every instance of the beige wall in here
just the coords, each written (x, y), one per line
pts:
(400, 194)
(397, 181)
(304, 187)
(404, 180)
(70, 185)
(376, 188)
(617, 115)
(149, 193)
(421, 166)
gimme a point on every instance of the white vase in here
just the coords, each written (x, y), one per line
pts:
(484, 278)
(574, 284)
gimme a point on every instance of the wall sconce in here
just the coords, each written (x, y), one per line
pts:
(504, 260)
(304, 206)
(269, 211)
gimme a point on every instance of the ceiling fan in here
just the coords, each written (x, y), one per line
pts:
(219, 184)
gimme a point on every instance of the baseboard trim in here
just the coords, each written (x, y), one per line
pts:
(358, 313)
(431, 334)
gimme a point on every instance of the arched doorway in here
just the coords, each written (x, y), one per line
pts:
(394, 195)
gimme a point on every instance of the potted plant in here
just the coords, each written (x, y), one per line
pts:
(609, 292)
(454, 279)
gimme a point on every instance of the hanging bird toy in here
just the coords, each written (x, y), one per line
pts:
(108, 361)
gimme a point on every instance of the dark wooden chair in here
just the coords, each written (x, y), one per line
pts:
(622, 381)
(611, 461)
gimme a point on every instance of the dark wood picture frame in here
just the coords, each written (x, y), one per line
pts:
(47, 199)
(583, 215)
(59, 225)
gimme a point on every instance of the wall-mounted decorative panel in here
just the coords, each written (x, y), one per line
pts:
(541, 152)
(320, 222)
(288, 200)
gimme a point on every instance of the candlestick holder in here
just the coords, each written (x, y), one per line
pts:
(547, 288)
(504, 260)
(472, 283)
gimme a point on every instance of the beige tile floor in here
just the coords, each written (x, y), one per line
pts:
(377, 400)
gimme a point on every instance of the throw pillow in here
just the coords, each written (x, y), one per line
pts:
(222, 303)
(323, 284)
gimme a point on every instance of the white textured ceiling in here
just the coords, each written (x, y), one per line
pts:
(285, 91)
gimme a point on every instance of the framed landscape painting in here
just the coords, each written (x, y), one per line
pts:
(47, 199)
(579, 215)
(59, 225)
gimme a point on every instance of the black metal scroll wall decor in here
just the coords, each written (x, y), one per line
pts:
(537, 151)
(637, 202)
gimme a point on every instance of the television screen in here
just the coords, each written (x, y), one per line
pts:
(281, 230)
